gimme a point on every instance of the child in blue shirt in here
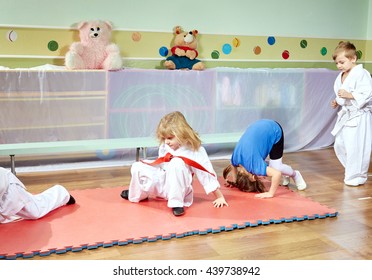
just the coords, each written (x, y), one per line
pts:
(263, 138)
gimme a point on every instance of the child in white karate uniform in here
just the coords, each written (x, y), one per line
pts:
(17, 203)
(353, 129)
(172, 179)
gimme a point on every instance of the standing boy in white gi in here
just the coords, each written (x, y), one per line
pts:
(353, 129)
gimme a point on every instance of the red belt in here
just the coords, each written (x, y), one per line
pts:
(168, 157)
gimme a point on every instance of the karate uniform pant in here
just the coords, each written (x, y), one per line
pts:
(353, 149)
(45, 202)
(31, 206)
(173, 183)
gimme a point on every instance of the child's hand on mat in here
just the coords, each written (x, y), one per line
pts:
(264, 195)
(220, 202)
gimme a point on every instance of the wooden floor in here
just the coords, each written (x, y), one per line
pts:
(345, 237)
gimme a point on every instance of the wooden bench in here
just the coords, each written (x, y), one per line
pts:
(57, 147)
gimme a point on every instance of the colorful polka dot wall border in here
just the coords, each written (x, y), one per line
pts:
(49, 42)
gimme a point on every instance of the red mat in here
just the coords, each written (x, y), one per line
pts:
(101, 218)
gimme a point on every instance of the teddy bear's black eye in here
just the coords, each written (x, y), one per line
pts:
(92, 29)
(98, 29)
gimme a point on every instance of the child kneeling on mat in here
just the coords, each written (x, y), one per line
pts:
(17, 203)
(170, 176)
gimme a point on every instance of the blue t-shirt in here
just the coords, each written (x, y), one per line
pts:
(255, 145)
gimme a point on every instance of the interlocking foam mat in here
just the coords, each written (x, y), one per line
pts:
(101, 218)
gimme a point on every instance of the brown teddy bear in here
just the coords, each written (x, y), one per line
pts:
(95, 50)
(184, 51)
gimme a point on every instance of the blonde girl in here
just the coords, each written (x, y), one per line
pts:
(181, 156)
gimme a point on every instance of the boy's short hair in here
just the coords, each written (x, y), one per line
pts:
(347, 47)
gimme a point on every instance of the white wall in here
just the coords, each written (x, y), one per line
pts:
(293, 18)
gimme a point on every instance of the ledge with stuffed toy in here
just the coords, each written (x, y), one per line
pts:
(26, 47)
